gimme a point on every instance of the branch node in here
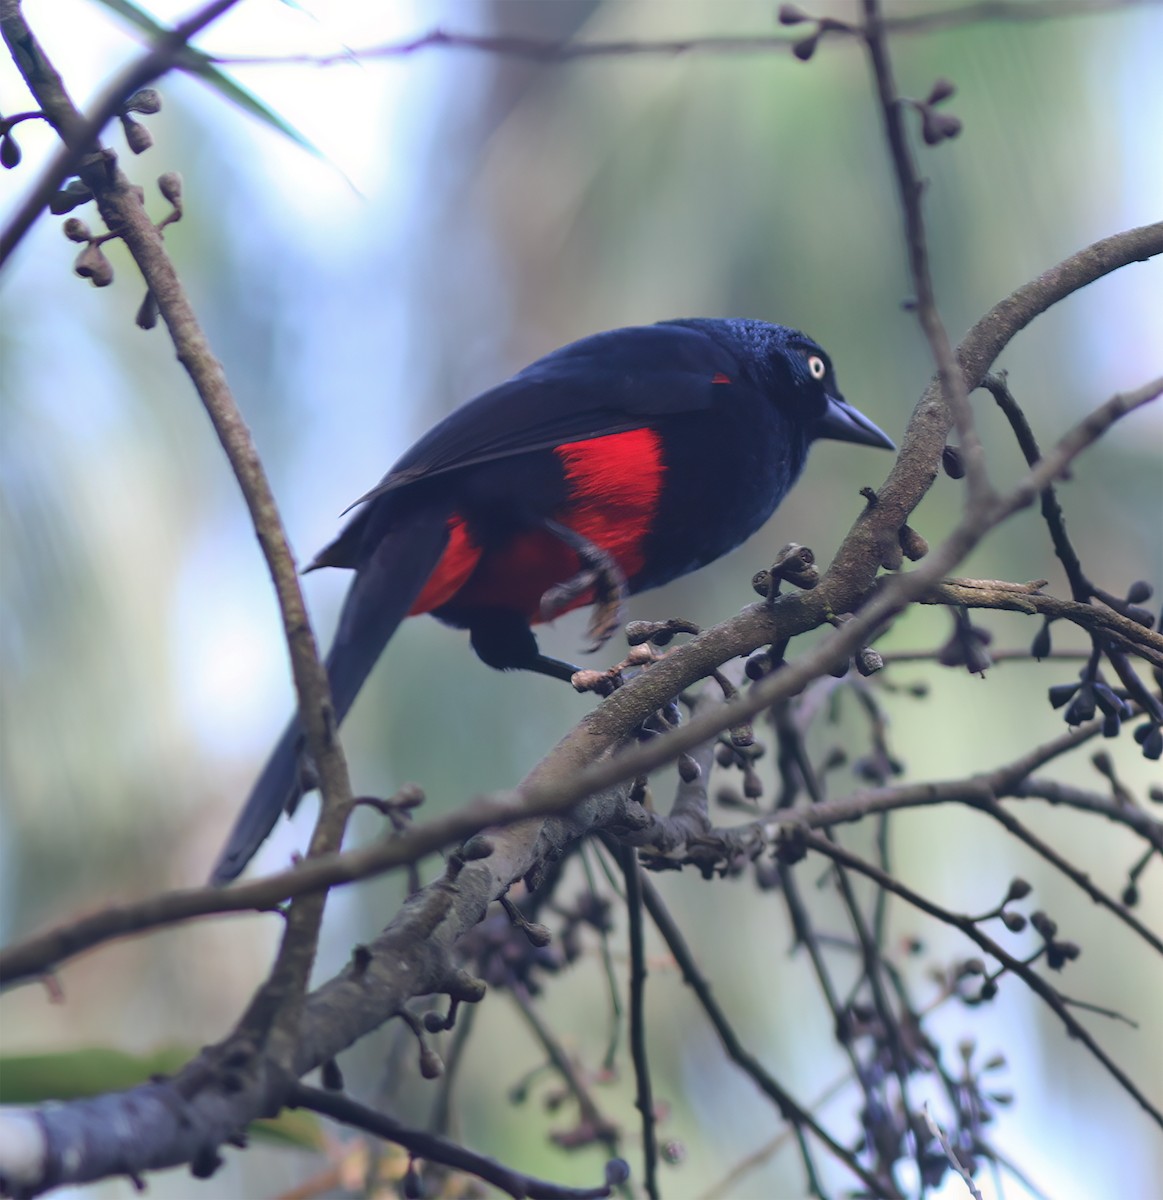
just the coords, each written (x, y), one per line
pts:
(537, 933)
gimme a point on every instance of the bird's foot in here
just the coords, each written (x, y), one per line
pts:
(600, 574)
(605, 682)
(601, 683)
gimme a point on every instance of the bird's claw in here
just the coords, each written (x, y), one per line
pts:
(601, 575)
(606, 618)
(562, 596)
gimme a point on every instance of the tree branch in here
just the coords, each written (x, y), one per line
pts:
(437, 1149)
(996, 594)
(1015, 966)
(123, 211)
(556, 51)
(644, 1101)
(80, 153)
(737, 1052)
(212, 1099)
(950, 379)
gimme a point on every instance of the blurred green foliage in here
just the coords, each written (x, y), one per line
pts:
(93, 1071)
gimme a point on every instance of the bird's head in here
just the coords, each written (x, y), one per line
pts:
(798, 371)
(815, 380)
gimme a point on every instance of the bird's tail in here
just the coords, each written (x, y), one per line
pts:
(380, 597)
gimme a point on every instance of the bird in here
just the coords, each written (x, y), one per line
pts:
(612, 465)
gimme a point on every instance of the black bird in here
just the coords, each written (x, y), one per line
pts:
(610, 466)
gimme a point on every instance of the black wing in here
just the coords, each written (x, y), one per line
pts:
(604, 384)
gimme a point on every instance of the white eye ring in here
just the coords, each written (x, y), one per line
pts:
(817, 368)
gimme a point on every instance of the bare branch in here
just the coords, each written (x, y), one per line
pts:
(1011, 964)
(437, 1149)
(593, 1125)
(123, 211)
(952, 382)
(632, 872)
(27, 960)
(740, 1055)
(78, 133)
(1080, 587)
(545, 51)
(286, 1032)
(1079, 878)
(995, 594)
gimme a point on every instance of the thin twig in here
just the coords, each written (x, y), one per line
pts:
(434, 1148)
(610, 1057)
(440, 1119)
(598, 1126)
(556, 51)
(1093, 618)
(1080, 587)
(79, 133)
(1079, 878)
(1009, 654)
(788, 1108)
(792, 746)
(644, 1100)
(909, 187)
(757, 1158)
(950, 1154)
(1015, 966)
(1053, 791)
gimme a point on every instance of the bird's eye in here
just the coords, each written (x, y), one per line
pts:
(817, 368)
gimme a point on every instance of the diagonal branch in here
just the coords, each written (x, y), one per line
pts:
(438, 1149)
(1080, 587)
(1060, 863)
(79, 133)
(1015, 966)
(994, 594)
(633, 703)
(123, 211)
(789, 1109)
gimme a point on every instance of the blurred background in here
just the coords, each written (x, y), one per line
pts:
(464, 214)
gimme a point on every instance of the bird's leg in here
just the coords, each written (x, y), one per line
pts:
(599, 572)
(502, 639)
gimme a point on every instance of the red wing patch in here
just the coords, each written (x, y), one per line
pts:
(719, 377)
(614, 484)
(456, 564)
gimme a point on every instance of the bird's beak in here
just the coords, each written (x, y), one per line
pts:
(843, 423)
